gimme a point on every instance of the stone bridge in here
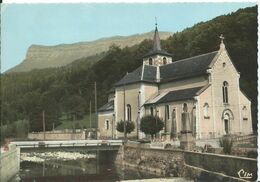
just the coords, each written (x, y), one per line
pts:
(68, 145)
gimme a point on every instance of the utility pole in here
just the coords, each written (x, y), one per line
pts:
(124, 116)
(90, 119)
(73, 127)
(96, 118)
(43, 123)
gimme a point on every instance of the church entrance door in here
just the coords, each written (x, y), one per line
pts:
(226, 126)
(226, 123)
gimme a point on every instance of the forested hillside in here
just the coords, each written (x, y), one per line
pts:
(66, 91)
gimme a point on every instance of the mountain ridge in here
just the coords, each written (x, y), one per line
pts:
(45, 56)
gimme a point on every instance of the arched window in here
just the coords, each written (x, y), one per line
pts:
(129, 112)
(107, 124)
(185, 107)
(164, 60)
(194, 121)
(206, 110)
(150, 61)
(174, 113)
(151, 111)
(225, 92)
(244, 113)
(167, 114)
(174, 124)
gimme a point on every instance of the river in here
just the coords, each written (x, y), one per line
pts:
(75, 166)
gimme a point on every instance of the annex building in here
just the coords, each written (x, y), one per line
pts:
(207, 84)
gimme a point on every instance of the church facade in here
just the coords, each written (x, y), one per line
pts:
(207, 85)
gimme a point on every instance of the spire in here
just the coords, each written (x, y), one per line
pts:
(156, 39)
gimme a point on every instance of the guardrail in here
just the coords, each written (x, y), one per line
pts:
(73, 143)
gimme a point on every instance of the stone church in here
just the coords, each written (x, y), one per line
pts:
(206, 85)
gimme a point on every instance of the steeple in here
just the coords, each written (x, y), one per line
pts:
(156, 40)
(157, 56)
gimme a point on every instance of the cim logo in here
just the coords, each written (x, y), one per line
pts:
(244, 175)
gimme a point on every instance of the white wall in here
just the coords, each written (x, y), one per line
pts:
(219, 74)
(9, 163)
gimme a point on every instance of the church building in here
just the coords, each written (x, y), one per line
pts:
(206, 85)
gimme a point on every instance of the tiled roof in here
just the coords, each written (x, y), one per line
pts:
(180, 69)
(153, 100)
(193, 66)
(156, 46)
(154, 52)
(177, 95)
(156, 40)
(133, 77)
(107, 107)
(149, 75)
(112, 90)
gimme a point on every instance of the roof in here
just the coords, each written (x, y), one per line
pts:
(133, 77)
(112, 90)
(156, 46)
(161, 52)
(149, 75)
(155, 99)
(176, 95)
(107, 107)
(188, 67)
(185, 68)
(156, 41)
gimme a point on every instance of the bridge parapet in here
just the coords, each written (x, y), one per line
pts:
(64, 143)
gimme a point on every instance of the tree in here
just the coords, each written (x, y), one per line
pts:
(151, 125)
(74, 105)
(130, 126)
(227, 143)
(35, 119)
(51, 110)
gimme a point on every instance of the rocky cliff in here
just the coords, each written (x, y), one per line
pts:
(39, 56)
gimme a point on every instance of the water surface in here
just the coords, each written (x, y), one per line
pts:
(87, 167)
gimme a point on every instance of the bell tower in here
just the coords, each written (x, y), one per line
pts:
(157, 56)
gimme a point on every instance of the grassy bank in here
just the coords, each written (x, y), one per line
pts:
(79, 124)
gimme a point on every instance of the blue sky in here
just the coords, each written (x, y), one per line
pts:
(50, 24)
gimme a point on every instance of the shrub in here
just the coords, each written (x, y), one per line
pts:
(130, 126)
(227, 143)
(151, 125)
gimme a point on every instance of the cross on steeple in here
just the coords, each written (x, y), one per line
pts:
(221, 38)
(156, 22)
(222, 45)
